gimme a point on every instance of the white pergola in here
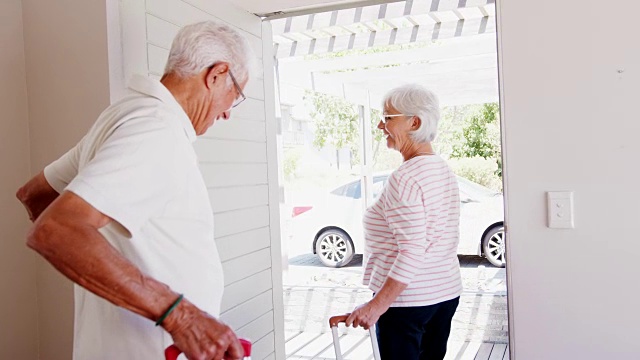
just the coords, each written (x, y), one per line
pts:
(456, 57)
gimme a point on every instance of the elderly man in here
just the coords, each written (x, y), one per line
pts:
(125, 213)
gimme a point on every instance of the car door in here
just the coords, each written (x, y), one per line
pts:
(468, 217)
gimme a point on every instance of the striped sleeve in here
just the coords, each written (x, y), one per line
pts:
(405, 214)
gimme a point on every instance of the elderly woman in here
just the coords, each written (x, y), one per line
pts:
(411, 237)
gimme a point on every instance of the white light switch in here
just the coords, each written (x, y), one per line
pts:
(560, 209)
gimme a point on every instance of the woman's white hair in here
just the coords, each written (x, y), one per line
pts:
(201, 45)
(416, 100)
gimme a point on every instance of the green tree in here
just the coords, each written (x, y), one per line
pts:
(450, 127)
(337, 123)
(465, 132)
(480, 136)
(335, 119)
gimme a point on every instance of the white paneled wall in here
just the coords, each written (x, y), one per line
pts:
(237, 159)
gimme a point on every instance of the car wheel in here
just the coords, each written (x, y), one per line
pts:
(334, 248)
(493, 246)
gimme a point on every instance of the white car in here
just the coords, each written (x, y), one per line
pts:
(333, 227)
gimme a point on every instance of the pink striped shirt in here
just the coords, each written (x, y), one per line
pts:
(412, 233)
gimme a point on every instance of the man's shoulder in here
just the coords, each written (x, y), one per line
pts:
(136, 104)
(136, 110)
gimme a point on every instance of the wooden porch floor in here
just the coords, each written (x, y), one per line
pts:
(356, 345)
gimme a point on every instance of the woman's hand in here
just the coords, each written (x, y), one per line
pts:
(365, 315)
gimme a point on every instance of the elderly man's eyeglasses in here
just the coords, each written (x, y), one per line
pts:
(388, 117)
(241, 96)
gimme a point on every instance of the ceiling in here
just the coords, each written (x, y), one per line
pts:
(267, 7)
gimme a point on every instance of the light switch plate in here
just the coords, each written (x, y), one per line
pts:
(560, 209)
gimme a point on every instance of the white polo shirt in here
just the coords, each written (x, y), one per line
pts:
(137, 165)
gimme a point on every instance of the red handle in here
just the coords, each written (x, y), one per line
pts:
(172, 352)
(335, 320)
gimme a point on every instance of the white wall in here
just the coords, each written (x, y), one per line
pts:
(67, 79)
(18, 303)
(571, 123)
(238, 162)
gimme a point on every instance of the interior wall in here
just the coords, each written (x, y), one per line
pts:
(18, 304)
(570, 79)
(68, 84)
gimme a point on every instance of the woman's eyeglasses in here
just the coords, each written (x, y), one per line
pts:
(388, 117)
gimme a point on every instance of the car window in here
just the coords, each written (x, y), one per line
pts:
(353, 190)
(340, 191)
(377, 189)
(468, 190)
(378, 185)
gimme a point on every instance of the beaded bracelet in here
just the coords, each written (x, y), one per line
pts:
(171, 308)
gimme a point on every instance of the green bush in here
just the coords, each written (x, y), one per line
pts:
(290, 163)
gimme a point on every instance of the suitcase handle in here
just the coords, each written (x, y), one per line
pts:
(172, 352)
(333, 323)
(335, 320)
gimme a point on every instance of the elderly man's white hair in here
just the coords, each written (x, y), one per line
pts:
(416, 100)
(201, 45)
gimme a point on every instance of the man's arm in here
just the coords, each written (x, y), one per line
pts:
(36, 195)
(66, 234)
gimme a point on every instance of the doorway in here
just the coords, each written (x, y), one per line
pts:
(332, 70)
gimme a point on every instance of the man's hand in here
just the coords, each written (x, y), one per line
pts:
(200, 336)
(36, 195)
(365, 315)
(67, 235)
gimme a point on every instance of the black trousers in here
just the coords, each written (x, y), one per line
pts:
(416, 333)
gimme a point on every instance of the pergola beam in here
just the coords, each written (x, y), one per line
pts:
(465, 64)
(435, 31)
(372, 13)
(450, 49)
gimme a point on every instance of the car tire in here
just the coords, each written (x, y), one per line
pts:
(334, 248)
(493, 246)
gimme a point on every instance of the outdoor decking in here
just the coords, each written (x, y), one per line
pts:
(356, 345)
(314, 293)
